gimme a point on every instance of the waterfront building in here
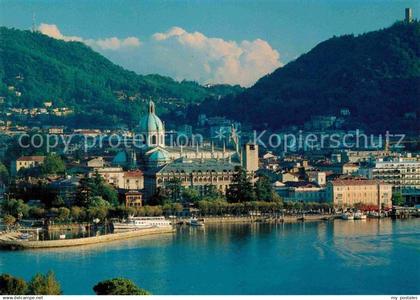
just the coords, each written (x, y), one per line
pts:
(191, 173)
(349, 192)
(301, 191)
(402, 174)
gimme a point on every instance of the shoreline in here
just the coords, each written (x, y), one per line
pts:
(22, 244)
(285, 219)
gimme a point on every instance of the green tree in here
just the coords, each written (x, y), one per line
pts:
(190, 195)
(37, 212)
(63, 214)
(77, 213)
(9, 220)
(263, 189)
(53, 165)
(161, 197)
(173, 189)
(95, 186)
(118, 286)
(4, 174)
(398, 199)
(44, 285)
(10, 285)
(16, 208)
(241, 188)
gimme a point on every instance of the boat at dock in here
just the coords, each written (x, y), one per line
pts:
(347, 216)
(359, 216)
(136, 223)
(196, 222)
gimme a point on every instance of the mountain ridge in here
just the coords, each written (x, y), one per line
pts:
(376, 75)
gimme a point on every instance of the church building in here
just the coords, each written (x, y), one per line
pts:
(195, 166)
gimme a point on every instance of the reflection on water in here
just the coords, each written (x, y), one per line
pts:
(340, 257)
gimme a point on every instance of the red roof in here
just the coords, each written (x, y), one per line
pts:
(137, 173)
(37, 158)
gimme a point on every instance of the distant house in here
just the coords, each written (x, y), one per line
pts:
(25, 162)
(97, 162)
(133, 199)
(287, 177)
(133, 180)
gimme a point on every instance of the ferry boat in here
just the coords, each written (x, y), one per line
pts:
(136, 223)
(347, 216)
(196, 222)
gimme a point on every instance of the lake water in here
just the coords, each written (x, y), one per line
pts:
(340, 257)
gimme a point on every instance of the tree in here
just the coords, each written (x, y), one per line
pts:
(10, 285)
(161, 197)
(9, 220)
(118, 286)
(63, 214)
(98, 201)
(241, 189)
(37, 212)
(263, 189)
(44, 285)
(16, 208)
(77, 213)
(4, 174)
(95, 186)
(173, 189)
(190, 195)
(398, 199)
(53, 165)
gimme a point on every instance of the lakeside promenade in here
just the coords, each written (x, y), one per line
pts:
(12, 241)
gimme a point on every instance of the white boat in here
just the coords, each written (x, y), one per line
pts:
(360, 216)
(196, 222)
(25, 236)
(373, 214)
(136, 223)
(347, 216)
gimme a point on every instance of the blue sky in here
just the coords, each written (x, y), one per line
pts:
(213, 41)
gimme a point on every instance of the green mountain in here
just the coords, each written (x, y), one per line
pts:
(375, 75)
(72, 75)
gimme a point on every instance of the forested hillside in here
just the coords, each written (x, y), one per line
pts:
(70, 74)
(375, 75)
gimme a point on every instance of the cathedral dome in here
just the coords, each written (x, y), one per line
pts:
(151, 122)
(158, 158)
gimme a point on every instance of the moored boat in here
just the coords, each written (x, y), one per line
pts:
(360, 216)
(136, 223)
(196, 222)
(347, 216)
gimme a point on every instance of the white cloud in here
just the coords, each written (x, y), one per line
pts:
(53, 31)
(186, 55)
(111, 43)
